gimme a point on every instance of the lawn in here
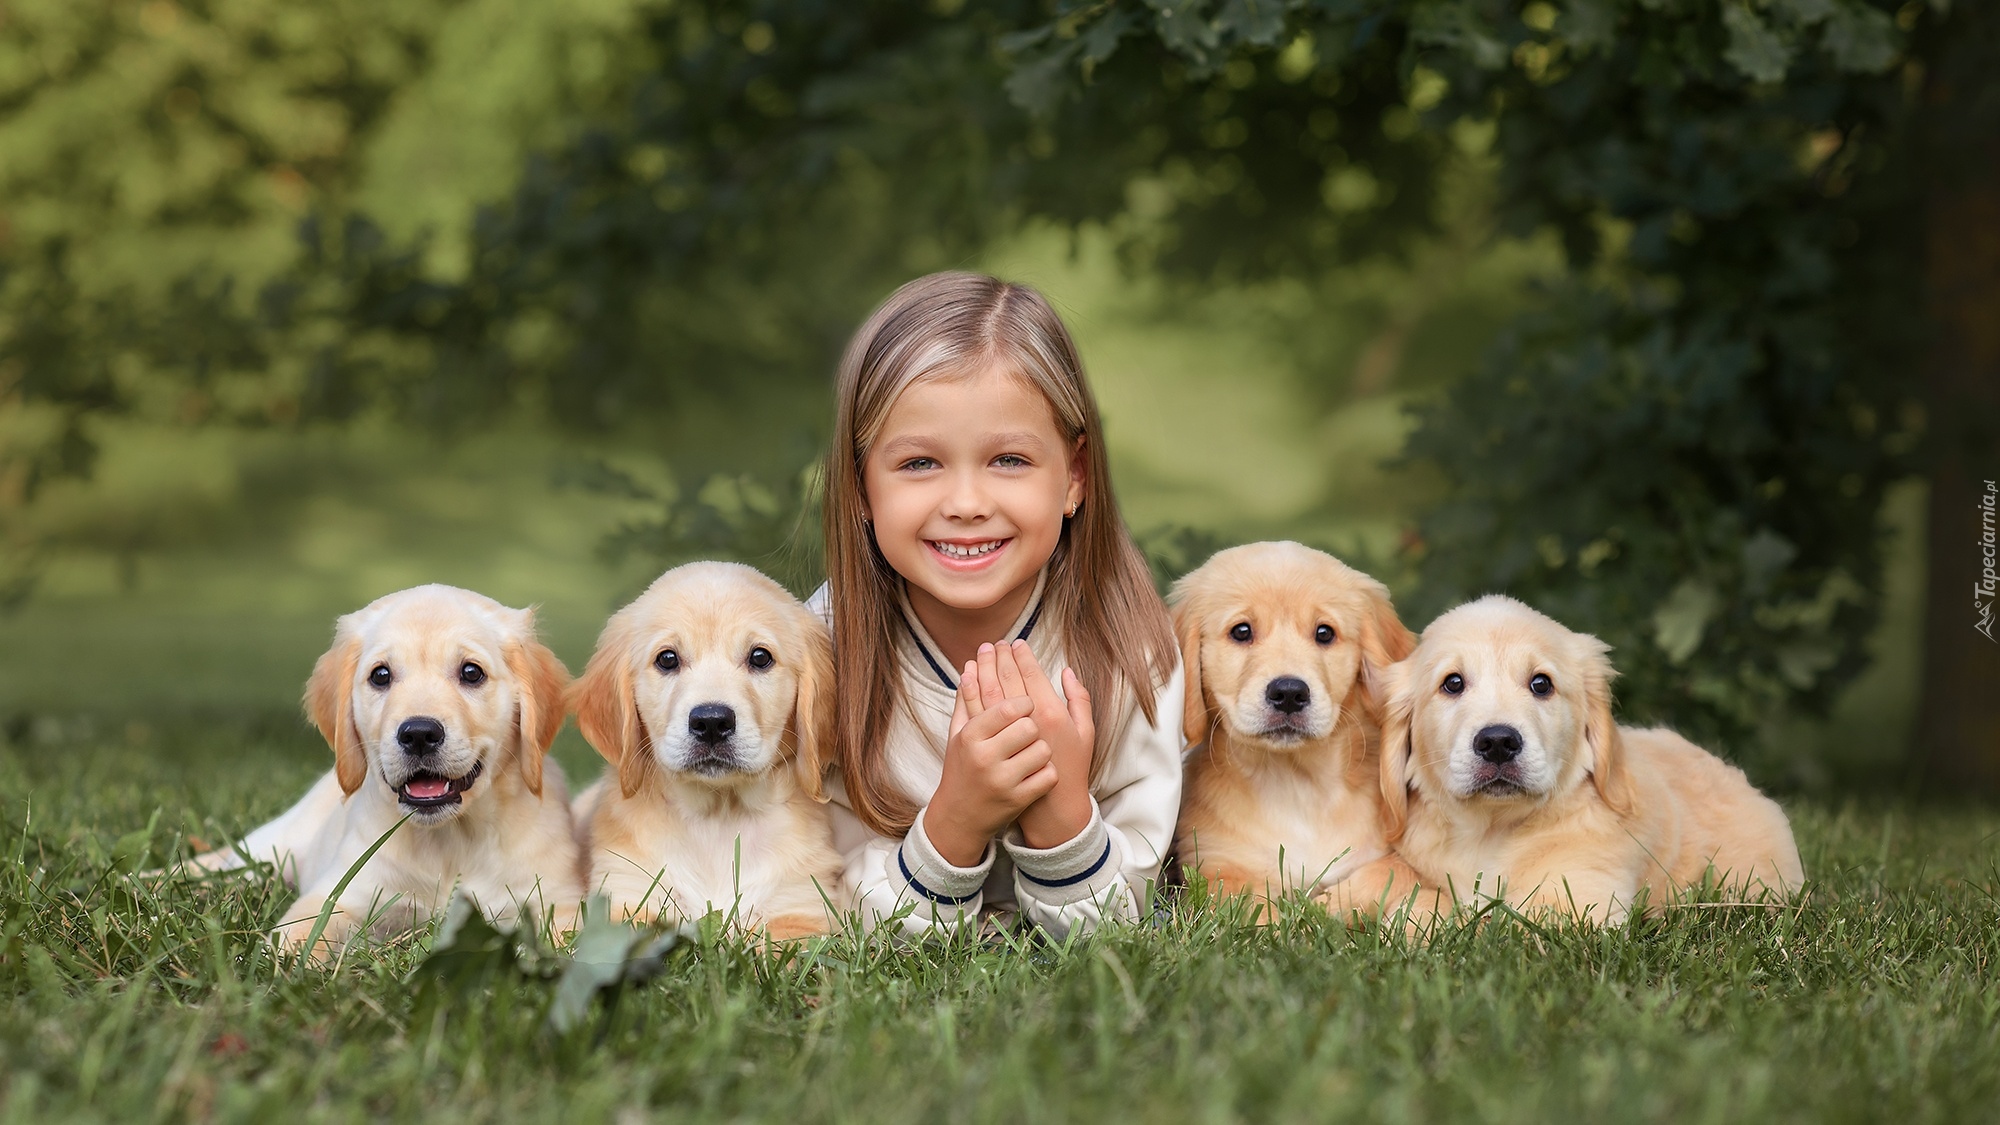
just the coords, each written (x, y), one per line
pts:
(1873, 998)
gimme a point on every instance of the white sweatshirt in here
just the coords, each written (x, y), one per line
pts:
(1108, 870)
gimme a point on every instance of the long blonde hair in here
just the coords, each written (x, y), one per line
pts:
(1100, 595)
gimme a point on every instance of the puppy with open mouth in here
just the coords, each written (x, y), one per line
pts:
(1503, 776)
(440, 706)
(1280, 643)
(710, 697)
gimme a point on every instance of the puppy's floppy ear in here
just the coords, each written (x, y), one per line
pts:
(1603, 744)
(1384, 640)
(812, 714)
(606, 713)
(1397, 750)
(1196, 719)
(541, 680)
(330, 704)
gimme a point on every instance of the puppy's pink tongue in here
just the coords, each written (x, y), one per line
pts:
(427, 788)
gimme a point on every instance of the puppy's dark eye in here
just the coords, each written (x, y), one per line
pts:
(1240, 632)
(1453, 684)
(380, 675)
(668, 660)
(1540, 684)
(1323, 634)
(760, 658)
(471, 675)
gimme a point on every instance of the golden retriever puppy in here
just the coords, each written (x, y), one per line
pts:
(440, 706)
(1279, 642)
(1503, 776)
(710, 697)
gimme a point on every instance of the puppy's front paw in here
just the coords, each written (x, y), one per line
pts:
(289, 936)
(1388, 892)
(791, 927)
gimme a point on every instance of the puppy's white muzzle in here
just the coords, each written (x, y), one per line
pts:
(1497, 761)
(709, 746)
(429, 767)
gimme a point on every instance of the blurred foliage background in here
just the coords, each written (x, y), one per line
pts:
(1673, 317)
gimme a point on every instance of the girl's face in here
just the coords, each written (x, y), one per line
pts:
(967, 485)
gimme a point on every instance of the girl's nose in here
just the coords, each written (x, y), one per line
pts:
(966, 500)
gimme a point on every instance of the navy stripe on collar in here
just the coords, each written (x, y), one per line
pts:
(1074, 879)
(949, 683)
(945, 677)
(1032, 618)
(941, 900)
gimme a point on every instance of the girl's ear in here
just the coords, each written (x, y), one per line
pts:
(607, 715)
(1397, 752)
(812, 714)
(1603, 744)
(541, 680)
(1197, 720)
(330, 704)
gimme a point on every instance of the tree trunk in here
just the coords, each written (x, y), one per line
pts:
(1958, 734)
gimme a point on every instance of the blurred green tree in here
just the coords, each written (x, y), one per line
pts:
(1685, 450)
(154, 161)
(691, 265)
(159, 161)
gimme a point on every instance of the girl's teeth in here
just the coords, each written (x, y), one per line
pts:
(958, 552)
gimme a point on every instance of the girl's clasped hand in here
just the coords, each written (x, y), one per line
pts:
(1017, 752)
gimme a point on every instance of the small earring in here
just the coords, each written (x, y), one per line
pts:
(1071, 514)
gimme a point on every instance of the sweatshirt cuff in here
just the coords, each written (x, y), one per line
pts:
(1073, 870)
(933, 877)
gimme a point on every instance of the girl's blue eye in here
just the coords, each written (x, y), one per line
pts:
(1010, 460)
(919, 464)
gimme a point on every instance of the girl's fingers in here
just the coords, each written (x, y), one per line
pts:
(1002, 730)
(989, 676)
(968, 691)
(1037, 681)
(959, 716)
(1037, 785)
(1079, 707)
(1031, 760)
(1011, 682)
(997, 718)
(1015, 737)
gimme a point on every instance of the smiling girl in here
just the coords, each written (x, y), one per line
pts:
(1008, 691)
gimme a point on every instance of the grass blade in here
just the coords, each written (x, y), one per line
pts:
(333, 898)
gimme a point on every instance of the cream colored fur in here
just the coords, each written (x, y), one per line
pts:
(1606, 818)
(509, 841)
(677, 828)
(1272, 802)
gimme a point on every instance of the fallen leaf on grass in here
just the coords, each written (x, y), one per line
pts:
(470, 954)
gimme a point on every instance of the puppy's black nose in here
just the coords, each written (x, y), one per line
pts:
(420, 735)
(1497, 744)
(712, 722)
(1288, 694)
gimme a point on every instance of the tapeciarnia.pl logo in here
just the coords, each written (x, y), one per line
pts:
(1983, 591)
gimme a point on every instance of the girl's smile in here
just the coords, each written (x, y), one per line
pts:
(967, 484)
(963, 555)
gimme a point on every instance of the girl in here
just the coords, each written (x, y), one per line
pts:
(1008, 695)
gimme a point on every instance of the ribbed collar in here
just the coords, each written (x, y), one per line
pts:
(1022, 629)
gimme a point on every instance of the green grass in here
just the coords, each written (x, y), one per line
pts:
(1874, 998)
